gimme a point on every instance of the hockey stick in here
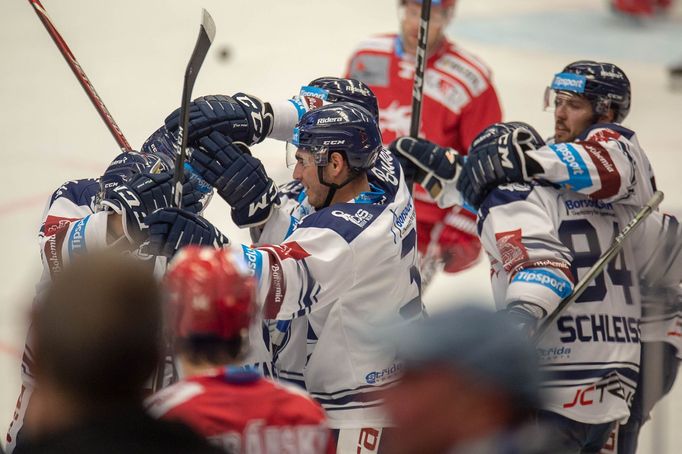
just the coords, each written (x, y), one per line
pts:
(204, 40)
(80, 75)
(206, 35)
(420, 64)
(599, 265)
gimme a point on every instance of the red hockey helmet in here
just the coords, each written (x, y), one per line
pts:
(212, 294)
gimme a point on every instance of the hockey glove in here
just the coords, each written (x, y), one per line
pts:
(524, 316)
(430, 164)
(171, 229)
(501, 161)
(145, 193)
(243, 118)
(239, 178)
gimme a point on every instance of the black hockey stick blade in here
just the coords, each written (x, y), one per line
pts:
(206, 35)
(600, 264)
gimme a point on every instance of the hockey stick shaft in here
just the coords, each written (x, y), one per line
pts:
(204, 40)
(80, 75)
(600, 264)
(420, 64)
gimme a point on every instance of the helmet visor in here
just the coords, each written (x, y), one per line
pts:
(307, 156)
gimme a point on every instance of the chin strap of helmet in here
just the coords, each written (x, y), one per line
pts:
(334, 186)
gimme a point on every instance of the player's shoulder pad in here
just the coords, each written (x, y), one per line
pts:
(606, 131)
(386, 173)
(503, 195)
(80, 192)
(348, 220)
(472, 59)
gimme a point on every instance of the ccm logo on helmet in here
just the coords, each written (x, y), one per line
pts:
(333, 142)
(322, 121)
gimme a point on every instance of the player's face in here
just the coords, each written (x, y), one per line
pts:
(410, 15)
(572, 115)
(305, 171)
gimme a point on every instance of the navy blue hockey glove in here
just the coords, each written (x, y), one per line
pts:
(241, 117)
(239, 178)
(496, 162)
(171, 229)
(524, 316)
(427, 163)
(143, 194)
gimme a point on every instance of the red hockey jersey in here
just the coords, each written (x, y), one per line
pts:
(244, 412)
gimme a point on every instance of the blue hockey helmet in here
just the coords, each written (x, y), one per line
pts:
(492, 132)
(124, 167)
(605, 85)
(162, 144)
(336, 89)
(340, 127)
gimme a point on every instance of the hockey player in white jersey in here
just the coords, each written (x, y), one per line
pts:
(103, 212)
(348, 222)
(540, 238)
(590, 153)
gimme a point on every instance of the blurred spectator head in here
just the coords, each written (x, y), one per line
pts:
(97, 330)
(211, 303)
(467, 374)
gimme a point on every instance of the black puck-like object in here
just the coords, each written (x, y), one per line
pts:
(224, 53)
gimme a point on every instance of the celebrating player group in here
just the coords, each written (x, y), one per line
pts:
(281, 345)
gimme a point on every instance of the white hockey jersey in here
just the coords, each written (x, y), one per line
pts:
(540, 241)
(606, 163)
(329, 281)
(70, 226)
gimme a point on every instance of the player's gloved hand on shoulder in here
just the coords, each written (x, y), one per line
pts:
(500, 161)
(143, 194)
(239, 178)
(171, 229)
(430, 165)
(241, 117)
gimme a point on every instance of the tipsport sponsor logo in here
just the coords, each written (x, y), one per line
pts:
(77, 237)
(569, 82)
(383, 375)
(561, 287)
(253, 260)
(578, 175)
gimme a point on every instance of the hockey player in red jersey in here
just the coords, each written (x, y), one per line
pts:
(212, 300)
(459, 101)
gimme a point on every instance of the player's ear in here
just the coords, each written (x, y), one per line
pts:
(336, 163)
(608, 117)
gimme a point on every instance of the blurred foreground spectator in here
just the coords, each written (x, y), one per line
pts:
(470, 385)
(96, 338)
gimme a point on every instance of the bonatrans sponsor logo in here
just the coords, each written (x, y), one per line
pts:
(587, 203)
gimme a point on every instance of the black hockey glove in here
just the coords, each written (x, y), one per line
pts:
(524, 316)
(497, 162)
(171, 229)
(429, 164)
(241, 117)
(239, 178)
(145, 193)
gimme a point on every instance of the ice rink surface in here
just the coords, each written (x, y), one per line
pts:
(135, 54)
